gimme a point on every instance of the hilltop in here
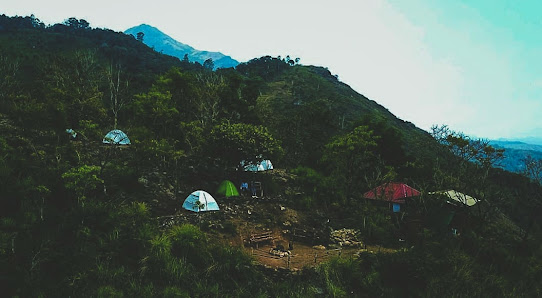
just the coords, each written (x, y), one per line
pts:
(163, 43)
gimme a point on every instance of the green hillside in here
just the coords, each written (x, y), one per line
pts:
(81, 215)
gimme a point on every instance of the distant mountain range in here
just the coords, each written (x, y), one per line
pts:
(515, 152)
(527, 140)
(165, 44)
(516, 145)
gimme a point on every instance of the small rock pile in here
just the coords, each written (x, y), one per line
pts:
(345, 237)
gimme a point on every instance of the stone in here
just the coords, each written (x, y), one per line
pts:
(143, 181)
(345, 237)
(319, 247)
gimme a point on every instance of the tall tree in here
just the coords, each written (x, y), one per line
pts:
(82, 180)
(9, 69)
(350, 158)
(475, 158)
(140, 36)
(75, 23)
(533, 168)
(118, 90)
(239, 141)
(75, 81)
(208, 105)
(209, 64)
(157, 110)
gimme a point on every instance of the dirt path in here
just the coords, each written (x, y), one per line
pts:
(306, 256)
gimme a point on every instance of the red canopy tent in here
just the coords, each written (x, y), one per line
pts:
(391, 192)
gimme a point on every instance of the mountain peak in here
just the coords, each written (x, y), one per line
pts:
(165, 44)
(141, 26)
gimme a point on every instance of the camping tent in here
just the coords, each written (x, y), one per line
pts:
(391, 192)
(116, 137)
(71, 132)
(227, 189)
(263, 165)
(457, 196)
(201, 198)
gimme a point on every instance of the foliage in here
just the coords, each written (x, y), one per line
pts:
(82, 180)
(157, 109)
(209, 64)
(238, 142)
(350, 158)
(533, 168)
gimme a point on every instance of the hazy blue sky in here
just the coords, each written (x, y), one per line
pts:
(474, 65)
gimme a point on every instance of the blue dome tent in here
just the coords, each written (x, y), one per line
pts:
(116, 137)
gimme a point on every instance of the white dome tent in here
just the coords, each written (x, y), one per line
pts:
(454, 196)
(461, 197)
(200, 200)
(263, 165)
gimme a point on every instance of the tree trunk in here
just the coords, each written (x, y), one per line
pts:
(13, 244)
(41, 209)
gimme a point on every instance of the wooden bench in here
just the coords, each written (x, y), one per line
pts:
(257, 238)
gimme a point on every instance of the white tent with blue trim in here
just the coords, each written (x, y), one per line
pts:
(200, 200)
(263, 165)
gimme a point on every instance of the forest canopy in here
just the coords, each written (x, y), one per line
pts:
(84, 217)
